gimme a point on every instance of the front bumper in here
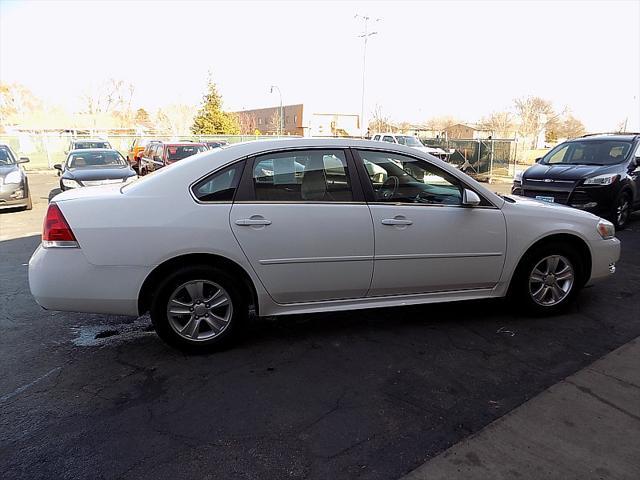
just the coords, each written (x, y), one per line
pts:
(63, 279)
(594, 199)
(604, 256)
(13, 195)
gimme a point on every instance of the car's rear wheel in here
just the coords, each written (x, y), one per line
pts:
(198, 308)
(548, 279)
(622, 211)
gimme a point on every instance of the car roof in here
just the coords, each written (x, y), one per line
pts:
(89, 150)
(75, 140)
(627, 137)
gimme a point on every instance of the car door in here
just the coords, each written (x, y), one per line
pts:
(425, 239)
(302, 222)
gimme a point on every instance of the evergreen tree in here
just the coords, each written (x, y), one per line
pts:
(211, 119)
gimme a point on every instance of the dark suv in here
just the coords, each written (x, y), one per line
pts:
(598, 173)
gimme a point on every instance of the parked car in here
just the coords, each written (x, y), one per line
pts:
(211, 144)
(84, 143)
(597, 173)
(237, 227)
(95, 166)
(161, 154)
(411, 141)
(14, 185)
(136, 149)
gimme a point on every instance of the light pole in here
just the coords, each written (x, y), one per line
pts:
(281, 125)
(365, 35)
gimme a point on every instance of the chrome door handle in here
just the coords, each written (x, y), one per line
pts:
(247, 222)
(396, 221)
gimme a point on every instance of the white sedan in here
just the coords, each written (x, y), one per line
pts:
(307, 225)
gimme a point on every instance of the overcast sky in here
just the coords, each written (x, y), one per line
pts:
(430, 58)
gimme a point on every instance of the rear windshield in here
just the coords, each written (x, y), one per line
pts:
(5, 156)
(178, 152)
(593, 152)
(95, 159)
(85, 145)
(408, 141)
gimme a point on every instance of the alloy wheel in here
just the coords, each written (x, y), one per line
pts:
(622, 211)
(551, 280)
(199, 310)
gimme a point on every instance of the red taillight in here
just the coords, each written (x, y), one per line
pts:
(56, 231)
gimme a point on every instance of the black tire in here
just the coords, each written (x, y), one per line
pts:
(53, 193)
(621, 211)
(521, 288)
(172, 283)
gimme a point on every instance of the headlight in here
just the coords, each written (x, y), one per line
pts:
(13, 177)
(606, 229)
(69, 183)
(606, 179)
(517, 177)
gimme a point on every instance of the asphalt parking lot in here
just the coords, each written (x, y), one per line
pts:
(370, 394)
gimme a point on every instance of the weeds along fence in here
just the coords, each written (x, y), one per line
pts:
(45, 149)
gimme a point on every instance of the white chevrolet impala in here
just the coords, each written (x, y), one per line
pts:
(307, 225)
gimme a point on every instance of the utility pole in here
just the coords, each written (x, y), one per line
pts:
(365, 36)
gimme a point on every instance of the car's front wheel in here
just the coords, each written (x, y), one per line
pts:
(622, 211)
(198, 308)
(548, 279)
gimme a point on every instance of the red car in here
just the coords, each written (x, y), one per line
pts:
(158, 155)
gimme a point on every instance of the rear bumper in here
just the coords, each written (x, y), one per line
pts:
(604, 256)
(63, 279)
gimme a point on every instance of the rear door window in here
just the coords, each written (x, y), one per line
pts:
(302, 176)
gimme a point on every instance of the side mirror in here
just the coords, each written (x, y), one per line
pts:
(23, 160)
(638, 161)
(58, 166)
(156, 158)
(537, 160)
(470, 198)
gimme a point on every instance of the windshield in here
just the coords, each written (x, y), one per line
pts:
(85, 145)
(591, 152)
(95, 159)
(6, 157)
(409, 141)
(178, 152)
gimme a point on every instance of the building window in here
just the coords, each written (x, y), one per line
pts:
(286, 120)
(260, 121)
(295, 119)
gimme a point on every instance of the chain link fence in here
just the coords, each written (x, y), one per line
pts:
(484, 159)
(45, 150)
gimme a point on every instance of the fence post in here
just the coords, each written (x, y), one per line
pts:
(45, 140)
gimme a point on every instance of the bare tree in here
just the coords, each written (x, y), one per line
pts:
(176, 119)
(274, 121)
(112, 97)
(248, 123)
(379, 121)
(536, 114)
(500, 124)
(16, 102)
(440, 124)
(571, 127)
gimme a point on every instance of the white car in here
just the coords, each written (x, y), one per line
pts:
(364, 224)
(413, 142)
